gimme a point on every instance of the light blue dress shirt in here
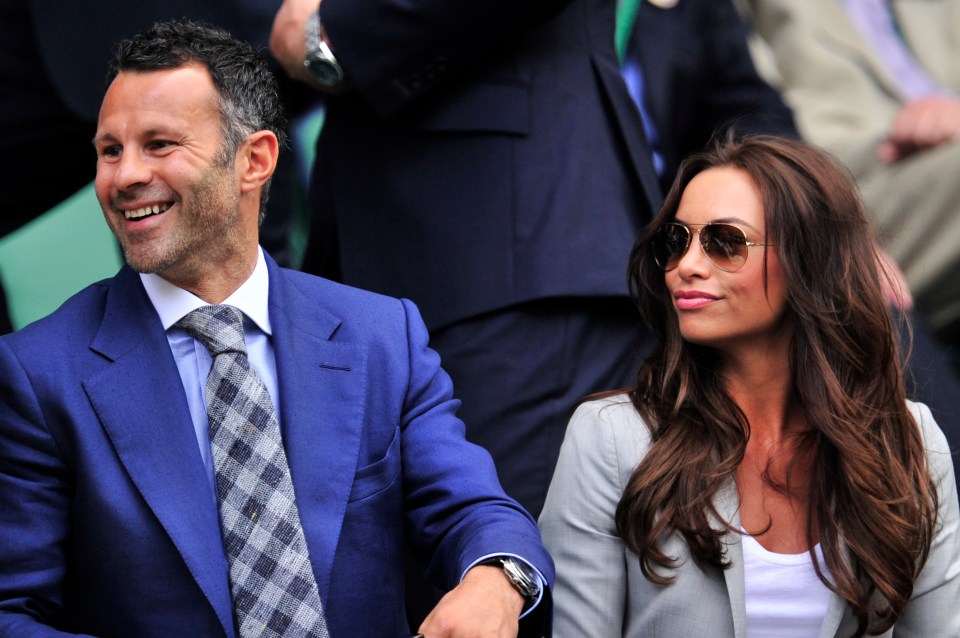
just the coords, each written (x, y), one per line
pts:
(194, 360)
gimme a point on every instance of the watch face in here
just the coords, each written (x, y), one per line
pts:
(326, 72)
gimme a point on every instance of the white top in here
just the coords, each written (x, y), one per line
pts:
(784, 598)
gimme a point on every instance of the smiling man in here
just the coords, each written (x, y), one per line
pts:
(209, 445)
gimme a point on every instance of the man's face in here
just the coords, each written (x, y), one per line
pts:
(173, 208)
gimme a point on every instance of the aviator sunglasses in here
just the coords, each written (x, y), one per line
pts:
(725, 245)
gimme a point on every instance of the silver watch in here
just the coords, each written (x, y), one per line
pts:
(320, 61)
(521, 575)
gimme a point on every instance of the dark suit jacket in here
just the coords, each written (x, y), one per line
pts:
(108, 523)
(489, 154)
(699, 78)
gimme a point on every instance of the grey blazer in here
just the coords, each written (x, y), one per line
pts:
(601, 593)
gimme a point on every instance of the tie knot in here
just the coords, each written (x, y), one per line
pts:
(219, 328)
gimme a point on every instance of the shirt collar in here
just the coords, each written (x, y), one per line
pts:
(174, 303)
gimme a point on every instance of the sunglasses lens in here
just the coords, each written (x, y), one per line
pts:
(725, 245)
(669, 244)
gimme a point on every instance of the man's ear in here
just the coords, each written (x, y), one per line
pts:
(257, 160)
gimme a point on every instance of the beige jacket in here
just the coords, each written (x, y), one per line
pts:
(842, 96)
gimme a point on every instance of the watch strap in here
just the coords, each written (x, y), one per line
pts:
(521, 576)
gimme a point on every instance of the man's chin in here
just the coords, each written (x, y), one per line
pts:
(146, 264)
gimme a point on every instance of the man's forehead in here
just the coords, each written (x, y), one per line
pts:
(187, 75)
(187, 91)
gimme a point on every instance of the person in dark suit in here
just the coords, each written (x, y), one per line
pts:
(688, 64)
(110, 486)
(484, 159)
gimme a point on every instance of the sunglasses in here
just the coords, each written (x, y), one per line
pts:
(725, 245)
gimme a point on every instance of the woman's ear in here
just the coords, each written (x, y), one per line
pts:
(257, 160)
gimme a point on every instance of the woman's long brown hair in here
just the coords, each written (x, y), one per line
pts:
(872, 504)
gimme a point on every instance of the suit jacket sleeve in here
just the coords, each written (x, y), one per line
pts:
(34, 506)
(415, 45)
(933, 609)
(456, 509)
(578, 526)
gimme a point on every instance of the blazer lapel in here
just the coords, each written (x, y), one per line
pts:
(140, 402)
(922, 23)
(728, 507)
(838, 25)
(835, 613)
(322, 389)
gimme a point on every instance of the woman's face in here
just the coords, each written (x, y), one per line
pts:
(728, 310)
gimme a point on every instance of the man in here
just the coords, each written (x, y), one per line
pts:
(51, 83)
(484, 159)
(131, 420)
(692, 92)
(876, 82)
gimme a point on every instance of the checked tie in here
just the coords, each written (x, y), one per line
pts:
(273, 587)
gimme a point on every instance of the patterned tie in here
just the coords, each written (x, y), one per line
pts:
(273, 587)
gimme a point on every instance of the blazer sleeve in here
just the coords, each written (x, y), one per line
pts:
(34, 505)
(578, 524)
(415, 45)
(934, 608)
(456, 510)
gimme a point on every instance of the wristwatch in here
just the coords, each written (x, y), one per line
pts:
(523, 577)
(320, 61)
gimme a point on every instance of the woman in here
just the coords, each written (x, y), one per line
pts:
(766, 477)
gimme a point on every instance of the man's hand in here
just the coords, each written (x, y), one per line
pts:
(484, 604)
(920, 124)
(288, 38)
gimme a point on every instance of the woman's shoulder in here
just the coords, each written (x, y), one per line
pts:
(934, 440)
(933, 437)
(611, 423)
(612, 412)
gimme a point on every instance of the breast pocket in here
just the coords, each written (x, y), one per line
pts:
(379, 475)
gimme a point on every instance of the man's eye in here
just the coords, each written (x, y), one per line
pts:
(159, 145)
(110, 151)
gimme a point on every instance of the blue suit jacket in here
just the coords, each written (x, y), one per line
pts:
(108, 523)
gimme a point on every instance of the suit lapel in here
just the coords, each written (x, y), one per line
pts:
(838, 25)
(835, 613)
(922, 23)
(728, 507)
(139, 399)
(322, 389)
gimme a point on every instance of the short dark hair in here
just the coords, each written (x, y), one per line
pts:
(248, 93)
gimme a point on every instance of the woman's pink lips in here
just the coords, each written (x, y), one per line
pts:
(693, 299)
